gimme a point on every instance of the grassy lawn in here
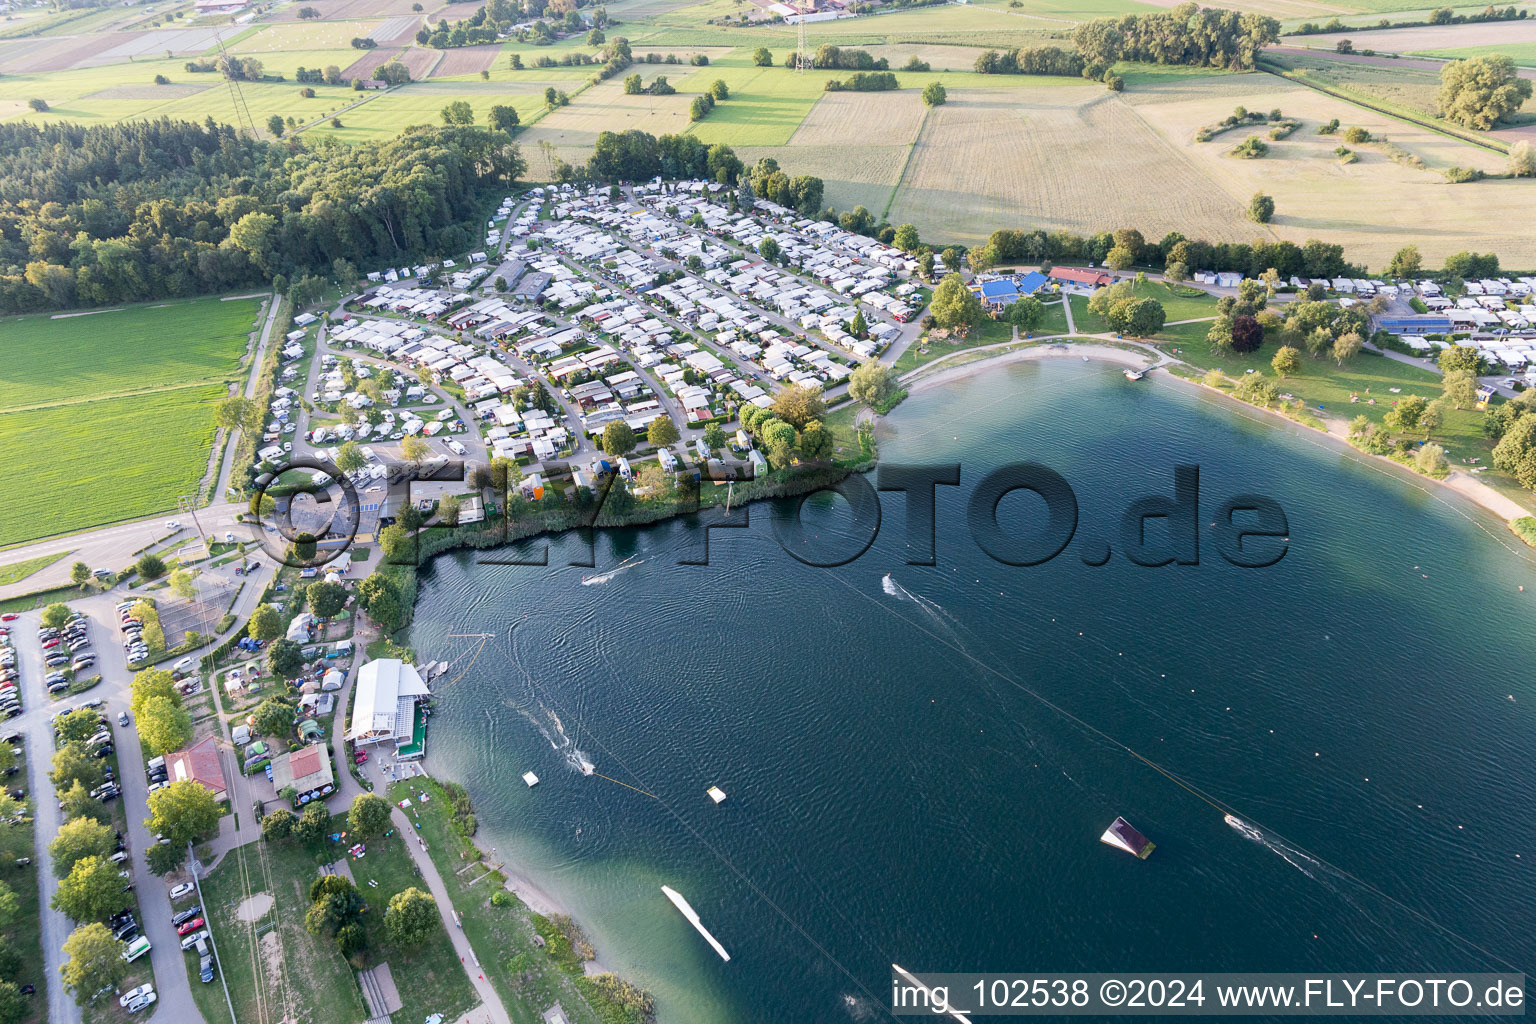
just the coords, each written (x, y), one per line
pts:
(40, 599)
(109, 416)
(990, 332)
(498, 934)
(273, 965)
(1175, 306)
(18, 571)
(25, 934)
(1324, 383)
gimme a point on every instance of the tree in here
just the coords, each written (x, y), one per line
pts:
(662, 431)
(458, 112)
(80, 724)
(1247, 334)
(273, 717)
(265, 623)
(858, 326)
(1461, 388)
(907, 239)
(1406, 261)
(1346, 347)
(334, 901)
(1522, 161)
(719, 90)
(395, 540)
(74, 763)
(762, 57)
(350, 458)
(1139, 318)
(75, 840)
(1431, 461)
(954, 305)
(503, 118)
(39, 105)
(56, 616)
(183, 812)
(93, 961)
(1026, 312)
(415, 449)
(596, 37)
(314, 823)
(1261, 208)
(92, 891)
(325, 599)
(1119, 258)
(1287, 361)
(618, 438)
(1481, 91)
(934, 94)
(284, 658)
(275, 125)
(79, 574)
(778, 439)
(1460, 357)
(449, 508)
(163, 726)
(278, 825)
(369, 815)
(78, 803)
(768, 249)
(184, 583)
(798, 405)
(411, 918)
(1404, 416)
(714, 437)
(150, 566)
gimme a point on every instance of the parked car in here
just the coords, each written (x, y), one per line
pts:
(187, 928)
(186, 915)
(146, 1000)
(122, 718)
(205, 966)
(182, 891)
(193, 939)
(132, 994)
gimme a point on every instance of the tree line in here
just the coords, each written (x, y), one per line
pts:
(1031, 60)
(153, 209)
(1186, 34)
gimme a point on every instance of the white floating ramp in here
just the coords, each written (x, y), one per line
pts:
(693, 919)
(531, 779)
(716, 794)
(1123, 836)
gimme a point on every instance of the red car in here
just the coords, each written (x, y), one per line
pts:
(9, 617)
(190, 927)
(48, 645)
(361, 758)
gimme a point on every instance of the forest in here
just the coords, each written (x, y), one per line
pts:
(154, 209)
(1186, 34)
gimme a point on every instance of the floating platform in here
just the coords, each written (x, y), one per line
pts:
(1122, 835)
(531, 779)
(1131, 374)
(693, 919)
(716, 794)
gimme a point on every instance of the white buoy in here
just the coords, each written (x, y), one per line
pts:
(531, 779)
(716, 794)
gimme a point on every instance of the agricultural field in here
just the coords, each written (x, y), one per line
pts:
(1055, 156)
(109, 416)
(308, 35)
(1494, 34)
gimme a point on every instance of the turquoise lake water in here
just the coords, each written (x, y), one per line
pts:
(920, 773)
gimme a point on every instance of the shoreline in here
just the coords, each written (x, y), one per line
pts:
(1463, 484)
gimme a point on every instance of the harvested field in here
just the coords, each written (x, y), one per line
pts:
(179, 41)
(866, 179)
(1428, 37)
(309, 35)
(467, 60)
(173, 91)
(343, 10)
(397, 31)
(1372, 207)
(938, 56)
(1284, 10)
(1412, 85)
(55, 54)
(1054, 158)
(891, 117)
(417, 59)
(606, 108)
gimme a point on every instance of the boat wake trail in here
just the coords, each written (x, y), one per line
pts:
(1287, 853)
(604, 577)
(544, 719)
(933, 609)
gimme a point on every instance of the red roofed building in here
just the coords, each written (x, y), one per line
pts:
(200, 763)
(307, 771)
(1077, 275)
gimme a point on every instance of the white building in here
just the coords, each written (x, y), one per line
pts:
(385, 705)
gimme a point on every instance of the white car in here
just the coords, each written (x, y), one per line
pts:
(145, 1000)
(183, 890)
(172, 524)
(135, 993)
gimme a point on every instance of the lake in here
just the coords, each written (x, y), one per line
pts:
(919, 771)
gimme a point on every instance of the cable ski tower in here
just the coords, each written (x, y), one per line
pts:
(243, 121)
